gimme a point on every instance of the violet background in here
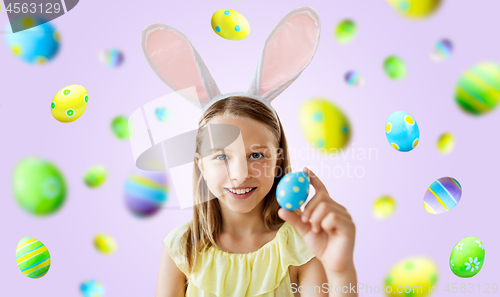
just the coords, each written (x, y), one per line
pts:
(427, 93)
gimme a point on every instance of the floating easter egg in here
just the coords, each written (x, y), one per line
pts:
(353, 78)
(478, 90)
(162, 114)
(111, 58)
(95, 176)
(345, 31)
(119, 126)
(395, 68)
(292, 190)
(32, 257)
(104, 243)
(442, 195)
(39, 186)
(230, 24)
(467, 257)
(445, 143)
(384, 207)
(416, 275)
(146, 192)
(92, 288)
(415, 9)
(442, 50)
(402, 131)
(36, 45)
(324, 125)
(69, 103)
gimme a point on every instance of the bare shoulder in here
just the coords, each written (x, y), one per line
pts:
(312, 274)
(171, 280)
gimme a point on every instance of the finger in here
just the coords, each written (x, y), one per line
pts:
(315, 181)
(311, 205)
(318, 214)
(294, 219)
(333, 223)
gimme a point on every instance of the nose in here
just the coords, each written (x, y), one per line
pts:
(238, 171)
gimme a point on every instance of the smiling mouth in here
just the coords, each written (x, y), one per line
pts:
(241, 192)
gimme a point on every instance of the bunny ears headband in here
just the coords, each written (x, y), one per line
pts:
(288, 50)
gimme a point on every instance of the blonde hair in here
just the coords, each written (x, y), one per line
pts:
(206, 224)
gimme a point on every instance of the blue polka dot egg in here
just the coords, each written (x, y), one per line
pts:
(230, 24)
(292, 190)
(36, 45)
(402, 131)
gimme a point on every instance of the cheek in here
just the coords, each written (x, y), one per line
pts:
(215, 174)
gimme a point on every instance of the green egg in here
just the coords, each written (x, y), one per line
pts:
(395, 68)
(119, 126)
(467, 257)
(39, 186)
(95, 176)
(345, 31)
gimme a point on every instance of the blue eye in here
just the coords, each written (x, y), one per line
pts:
(217, 157)
(258, 153)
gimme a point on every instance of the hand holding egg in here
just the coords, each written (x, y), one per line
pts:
(326, 227)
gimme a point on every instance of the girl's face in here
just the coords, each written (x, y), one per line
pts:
(249, 162)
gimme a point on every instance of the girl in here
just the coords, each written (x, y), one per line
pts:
(239, 242)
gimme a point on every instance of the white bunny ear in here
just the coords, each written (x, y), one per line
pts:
(288, 50)
(177, 63)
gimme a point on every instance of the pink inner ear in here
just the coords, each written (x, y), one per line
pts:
(288, 52)
(174, 60)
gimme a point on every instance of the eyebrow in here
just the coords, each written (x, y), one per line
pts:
(255, 147)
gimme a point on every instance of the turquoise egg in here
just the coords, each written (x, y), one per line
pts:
(292, 190)
(92, 288)
(402, 131)
(36, 45)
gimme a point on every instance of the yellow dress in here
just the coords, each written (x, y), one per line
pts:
(263, 273)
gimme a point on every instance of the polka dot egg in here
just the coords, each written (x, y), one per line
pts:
(402, 131)
(230, 24)
(442, 195)
(411, 274)
(467, 257)
(69, 103)
(38, 44)
(292, 190)
(324, 125)
(32, 257)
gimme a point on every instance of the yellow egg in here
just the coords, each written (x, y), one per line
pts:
(414, 276)
(445, 143)
(230, 24)
(384, 207)
(105, 243)
(415, 9)
(69, 103)
(324, 125)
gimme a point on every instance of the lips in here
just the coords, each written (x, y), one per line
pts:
(240, 196)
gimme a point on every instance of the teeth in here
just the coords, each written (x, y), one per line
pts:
(242, 191)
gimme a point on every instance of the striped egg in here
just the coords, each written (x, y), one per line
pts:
(353, 78)
(478, 90)
(442, 195)
(442, 50)
(292, 190)
(105, 243)
(32, 257)
(146, 192)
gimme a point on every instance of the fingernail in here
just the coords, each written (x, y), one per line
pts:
(304, 218)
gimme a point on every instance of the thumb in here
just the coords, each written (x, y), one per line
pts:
(294, 219)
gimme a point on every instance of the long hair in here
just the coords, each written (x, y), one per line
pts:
(206, 224)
